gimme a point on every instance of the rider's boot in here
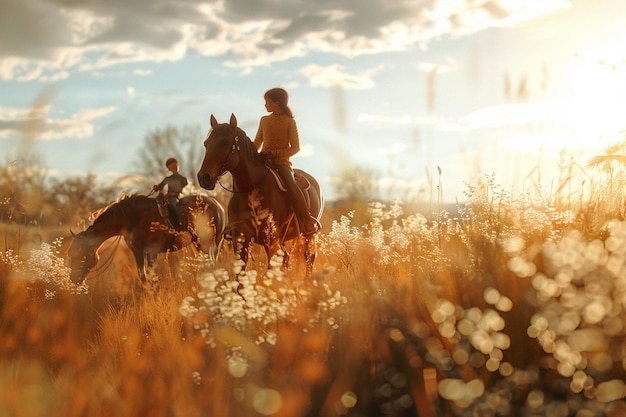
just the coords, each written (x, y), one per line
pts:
(308, 224)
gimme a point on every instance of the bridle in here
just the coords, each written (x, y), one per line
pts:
(109, 261)
(99, 266)
(223, 170)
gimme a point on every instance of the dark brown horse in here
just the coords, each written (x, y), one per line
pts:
(141, 221)
(259, 210)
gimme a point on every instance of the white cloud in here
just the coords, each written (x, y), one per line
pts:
(336, 76)
(544, 143)
(396, 148)
(584, 116)
(89, 35)
(547, 127)
(142, 72)
(83, 25)
(306, 150)
(39, 124)
(514, 114)
(441, 68)
(397, 120)
(91, 114)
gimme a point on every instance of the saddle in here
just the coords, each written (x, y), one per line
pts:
(301, 182)
(164, 212)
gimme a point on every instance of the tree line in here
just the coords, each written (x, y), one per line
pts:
(29, 195)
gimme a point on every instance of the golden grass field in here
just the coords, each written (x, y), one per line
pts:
(513, 307)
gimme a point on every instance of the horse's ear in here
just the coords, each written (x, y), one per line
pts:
(213, 121)
(233, 120)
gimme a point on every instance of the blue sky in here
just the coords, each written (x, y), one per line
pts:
(402, 87)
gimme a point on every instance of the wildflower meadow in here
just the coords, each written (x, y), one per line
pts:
(506, 306)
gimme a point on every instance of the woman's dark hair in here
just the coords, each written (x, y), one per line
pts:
(280, 96)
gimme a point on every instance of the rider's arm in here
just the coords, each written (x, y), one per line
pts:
(294, 142)
(159, 186)
(258, 140)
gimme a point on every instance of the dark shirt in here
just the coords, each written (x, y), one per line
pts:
(175, 184)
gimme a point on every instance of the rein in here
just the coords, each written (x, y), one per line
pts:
(109, 260)
(222, 171)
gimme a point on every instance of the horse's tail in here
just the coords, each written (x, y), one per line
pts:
(316, 196)
(215, 215)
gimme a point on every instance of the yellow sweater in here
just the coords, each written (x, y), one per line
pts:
(278, 137)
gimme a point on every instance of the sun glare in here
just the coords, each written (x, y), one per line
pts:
(587, 115)
(597, 85)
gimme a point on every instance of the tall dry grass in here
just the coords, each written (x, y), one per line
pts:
(514, 306)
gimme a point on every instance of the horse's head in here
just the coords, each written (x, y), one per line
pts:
(221, 152)
(82, 257)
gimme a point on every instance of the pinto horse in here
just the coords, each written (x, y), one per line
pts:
(259, 210)
(141, 220)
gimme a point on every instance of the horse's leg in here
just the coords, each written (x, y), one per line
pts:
(241, 246)
(285, 255)
(148, 270)
(145, 259)
(139, 259)
(215, 249)
(271, 249)
(310, 253)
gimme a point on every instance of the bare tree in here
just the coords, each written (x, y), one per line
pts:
(74, 199)
(184, 144)
(22, 183)
(358, 183)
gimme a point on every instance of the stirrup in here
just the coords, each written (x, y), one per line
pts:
(311, 221)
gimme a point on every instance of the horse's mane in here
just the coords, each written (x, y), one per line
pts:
(247, 145)
(122, 201)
